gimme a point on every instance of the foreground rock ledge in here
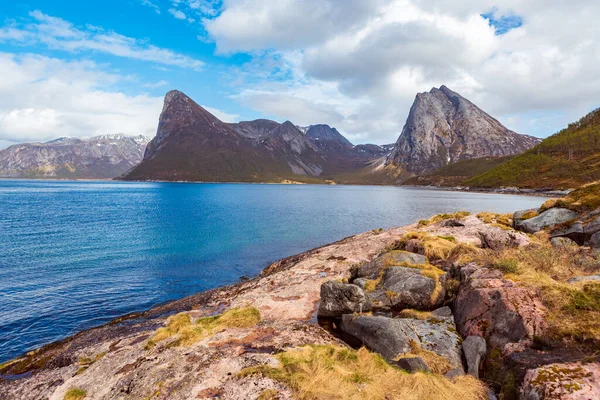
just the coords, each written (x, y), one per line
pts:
(287, 294)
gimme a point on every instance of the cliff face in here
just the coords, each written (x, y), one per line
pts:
(106, 156)
(444, 127)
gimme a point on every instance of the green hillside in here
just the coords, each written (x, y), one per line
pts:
(568, 159)
(456, 173)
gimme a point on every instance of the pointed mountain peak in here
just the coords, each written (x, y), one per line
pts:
(322, 132)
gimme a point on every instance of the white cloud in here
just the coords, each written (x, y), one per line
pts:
(44, 98)
(359, 65)
(59, 34)
(150, 4)
(177, 13)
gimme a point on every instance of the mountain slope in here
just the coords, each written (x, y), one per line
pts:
(191, 144)
(100, 157)
(443, 128)
(568, 159)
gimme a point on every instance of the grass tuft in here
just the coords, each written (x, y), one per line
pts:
(332, 372)
(189, 332)
(436, 363)
(75, 394)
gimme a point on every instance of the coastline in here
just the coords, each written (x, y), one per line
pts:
(542, 192)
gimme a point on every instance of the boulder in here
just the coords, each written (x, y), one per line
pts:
(474, 348)
(396, 257)
(403, 287)
(594, 241)
(340, 298)
(573, 231)
(412, 364)
(559, 242)
(392, 337)
(548, 218)
(568, 381)
(497, 309)
(495, 238)
(592, 226)
(518, 216)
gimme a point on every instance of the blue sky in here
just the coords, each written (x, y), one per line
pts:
(74, 68)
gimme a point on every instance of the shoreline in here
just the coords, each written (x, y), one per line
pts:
(541, 192)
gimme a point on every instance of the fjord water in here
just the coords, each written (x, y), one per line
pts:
(74, 255)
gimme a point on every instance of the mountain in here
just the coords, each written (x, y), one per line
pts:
(193, 145)
(443, 128)
(568, 159)
(100, 157)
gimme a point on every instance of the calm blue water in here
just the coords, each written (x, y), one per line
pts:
(77, 254)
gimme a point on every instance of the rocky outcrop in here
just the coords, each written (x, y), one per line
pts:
(548, 218)
(339, 298)
(394, 337)
(444, 127)
(572, 381)
(497, 309)
(396, 257)
(100, 157)
(405, 287)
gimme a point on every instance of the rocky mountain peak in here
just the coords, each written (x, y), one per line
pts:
(443, 127)
(322, 132)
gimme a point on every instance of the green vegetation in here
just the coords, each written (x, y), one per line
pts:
(269, 394)
(333, 372)
(567, 159)
(456, 173)
(75, 394)
(189, 332)
(584, 199)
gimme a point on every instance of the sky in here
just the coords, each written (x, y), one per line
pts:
(86, 68)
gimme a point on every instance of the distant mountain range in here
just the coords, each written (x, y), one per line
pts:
(193, 145)
(100, 157)
(443, 129)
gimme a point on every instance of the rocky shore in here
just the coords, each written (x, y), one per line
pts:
(458, 306)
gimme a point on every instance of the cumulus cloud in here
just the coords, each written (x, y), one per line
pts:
(531, 64)
(44, 98)
(150, 4)
(177, 14)
(58, 34)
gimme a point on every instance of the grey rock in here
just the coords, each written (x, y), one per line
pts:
(518, 216)
(391, 337)
(592, 226)
(408, 288)
(594, 241)
(444, 127)
(107, 156)
(562, 242)
(548, 218)
(573, 231)
(340, 298)
(589, 278)
(360, 282)
(396, 257)
(474, 348)
(412, 364)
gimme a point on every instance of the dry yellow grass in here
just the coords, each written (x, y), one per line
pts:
(442, 217)
(434, 247)
(331, 373)
(415, 314)
(573, 308)
(75, 394)
(189, 332)
(586, 198)
(436, 363)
